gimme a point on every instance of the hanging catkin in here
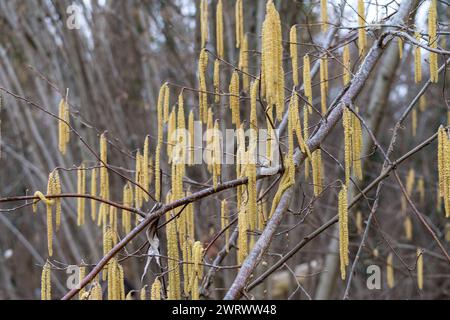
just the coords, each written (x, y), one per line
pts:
(174, 292)
(96, 292)
(293, 53)
(346, 65)
(317, 171)
(57, 191)
(444, 168)
(49, 203)
(172, 126)
(224, 222)
(347, 123)
(307, 82)
(204, 22)
(390, 271)
(272, 60)
(217, 154)
(408, 228)
(343, 230)
(285, 183)
(46, 283)
(216, 81)
(323, 84)
(419, 268)
(414, 122)
(156, 290)
(362, 37)
(291, 129)
(127, 200)
(359, 222)
(239, 13)
(104, 181)
(234, 99)
(203, 96)
(81, 190)
(242, 236)
(243, 63)
(356, 145)
(297, 124)
(417, 61)
(400, 47)
(145, 169)
(433, 40)
(421, 190)
(197, 254)
(94, 193)
(191, 130)
(324, 15)
(180, 138)
(63, 126)
(219, 30)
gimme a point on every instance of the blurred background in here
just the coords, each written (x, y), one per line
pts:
(113, 67)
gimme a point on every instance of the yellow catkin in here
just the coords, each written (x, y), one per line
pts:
(359, 222)
(297, 125)
(181, 139)
(242, 236)
(293, 53)
(243, 63)
(217, 154)
(239, 13)
(113, 223)
(343, 230)
(410, 181)
(174, 292)
(417, 61)
(421, 189)
(285, 183)
(191, 130)
(142, 293)
(145, 168)
(197, 255)
(390, 271)
(307, 81)
(93, 193)
(419, 268)
(171, 135)
(347, 124)
(291, 129)
(444, 168)
(204, 22)
(56, 191)
(433, 40)
(324, 15)
(219, 30)
(400, 47)
(138, 199)
(158, 174)
(317, 169)
(323, 84)
(216, 81)
(252, 194)
(346, 65)
(356, 146)
(224, 222)
(414, 122)
(423, 106)
(272, 60)
(408, 228)
(362, 37)
(63, 126)
(104, 183)
(81, 275)
(203, 96)
(127, 197)
(156, 290)
(49, 204)
(96, 292)
(234, 99)
(46, 284)
(81, 190)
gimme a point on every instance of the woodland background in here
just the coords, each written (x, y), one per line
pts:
(114, 67)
